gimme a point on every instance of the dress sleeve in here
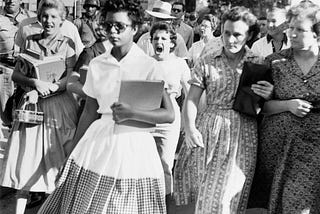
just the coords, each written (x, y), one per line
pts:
(198, 74)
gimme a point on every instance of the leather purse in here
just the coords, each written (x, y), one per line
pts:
(246, 101)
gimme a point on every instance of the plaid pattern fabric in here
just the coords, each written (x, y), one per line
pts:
(83, 191)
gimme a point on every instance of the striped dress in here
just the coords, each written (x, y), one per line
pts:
(218, 177)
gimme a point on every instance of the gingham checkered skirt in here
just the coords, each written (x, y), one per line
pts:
(110, 173)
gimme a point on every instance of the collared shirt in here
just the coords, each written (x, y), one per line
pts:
(198, 47)
(264, 46)
(32, 26)
(213, 73)
(145, 44)
(186, 32)
(105, 74)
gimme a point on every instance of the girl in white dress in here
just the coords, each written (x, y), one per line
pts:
(114, 168)
(177, 74)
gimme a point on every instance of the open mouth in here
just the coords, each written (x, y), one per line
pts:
(159, 50)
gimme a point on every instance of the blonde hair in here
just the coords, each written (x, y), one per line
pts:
(48, 4)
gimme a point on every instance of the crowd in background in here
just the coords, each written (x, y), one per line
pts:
(202, 156)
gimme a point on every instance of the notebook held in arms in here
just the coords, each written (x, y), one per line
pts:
(144, 95)
(46, 68)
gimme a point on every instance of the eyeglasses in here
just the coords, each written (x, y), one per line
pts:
(175, 10)
(118, 26)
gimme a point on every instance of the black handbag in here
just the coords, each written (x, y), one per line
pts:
(246, 101)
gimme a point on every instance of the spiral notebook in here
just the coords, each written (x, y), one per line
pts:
(143, 95)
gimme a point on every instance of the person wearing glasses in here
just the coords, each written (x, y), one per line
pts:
(178, 11)
(114, 168)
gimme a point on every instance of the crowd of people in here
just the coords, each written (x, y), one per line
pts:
(201, 156)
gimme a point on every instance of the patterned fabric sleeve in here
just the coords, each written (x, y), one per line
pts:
(198, 75)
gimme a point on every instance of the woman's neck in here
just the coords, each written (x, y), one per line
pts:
(207, 38)
(120, 52)
(309, 53)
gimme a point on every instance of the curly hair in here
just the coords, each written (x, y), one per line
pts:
(133, 7)
(49, 4)
(306, 10)
(243, 14)
(214, 20)
(165, 27)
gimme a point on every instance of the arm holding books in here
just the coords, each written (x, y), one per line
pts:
(164, 114)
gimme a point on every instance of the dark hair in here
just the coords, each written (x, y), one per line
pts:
(306, 10)
(133, 7)
(241, 13)
(168, 28)
(179, 3)
(49, 4)
(212, 19)
(262, 18)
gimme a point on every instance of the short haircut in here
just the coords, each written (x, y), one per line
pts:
(179, 3)
(306, 10)
(262, 18)
(165, 27)
(49, 4)
(132, 7)
(241, 13)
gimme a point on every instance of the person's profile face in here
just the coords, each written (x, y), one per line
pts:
(275, 21)
(263, 26)
(234, 35)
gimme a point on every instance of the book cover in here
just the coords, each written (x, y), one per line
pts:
(143, 95)
(48, 69)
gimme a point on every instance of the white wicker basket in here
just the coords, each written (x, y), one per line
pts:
(28, 116)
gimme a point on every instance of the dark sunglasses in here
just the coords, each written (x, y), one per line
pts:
(176, 10)
(118, 26)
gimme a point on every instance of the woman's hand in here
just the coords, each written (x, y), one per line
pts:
(299, 107)
(121, 112)
(43, 87)
(31, 96)
(53, 87)
(193, 138)
(263, 89)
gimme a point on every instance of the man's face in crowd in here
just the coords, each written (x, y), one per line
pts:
(12, 6)
(177, 11)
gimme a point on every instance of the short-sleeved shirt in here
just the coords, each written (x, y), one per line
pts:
(60, 45)
(105, 74)
(32, 26)
(186, 32)
(264, 46)
(145, 44)
(176, 73)
(213, 73)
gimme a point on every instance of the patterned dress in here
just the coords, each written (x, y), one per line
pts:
(289, 154)
(35, 153)
(114, 168)
(218, 176)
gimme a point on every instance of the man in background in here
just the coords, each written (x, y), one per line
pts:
(178, 11)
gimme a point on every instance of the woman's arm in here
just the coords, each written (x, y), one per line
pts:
(193, 136)
(88, 116)
(164, 114)
(297, 107)
(74, 85)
